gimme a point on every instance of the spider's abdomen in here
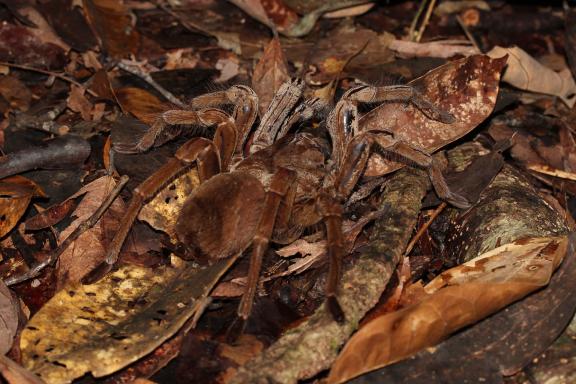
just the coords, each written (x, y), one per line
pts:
(220, 218)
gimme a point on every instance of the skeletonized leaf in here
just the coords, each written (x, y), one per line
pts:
(103, 327)
(89, 249)
(466, 88)
(269, 74)
(456, 298)
(8, 318)
(526, 73)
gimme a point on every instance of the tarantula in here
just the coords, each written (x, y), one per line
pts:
(287, 182)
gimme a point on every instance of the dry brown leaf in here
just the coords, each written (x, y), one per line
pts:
(547, 170)
(15, 92)
(466, 88)
(77, 102)
(527, 73)
(43, 30)
(89, 249)
(113, 24)
(269, 74)
(9, 310)
(254, 8)
(456, 298)
(142, 104)
(16, 193)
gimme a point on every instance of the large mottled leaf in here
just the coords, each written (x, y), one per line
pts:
(106, 326)
(466, 88)
(456, 298)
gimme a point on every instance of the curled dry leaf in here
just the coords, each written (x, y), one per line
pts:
(9, 310)
(466, 88)
(15, 195)
(526, 73)
(89, 249)
(269, 74)
(103, 327)
(456, 298)
(444, 49)
(50, 216)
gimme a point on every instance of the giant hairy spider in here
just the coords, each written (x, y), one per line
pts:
(286, 182)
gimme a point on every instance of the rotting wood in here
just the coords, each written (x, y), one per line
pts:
(509, 209)
(311, 347)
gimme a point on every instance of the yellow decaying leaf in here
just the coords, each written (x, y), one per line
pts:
(162, 211)
(104, 327)
(526, 73)
(456, 298)
(547, 170)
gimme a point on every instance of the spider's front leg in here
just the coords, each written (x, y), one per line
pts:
(200, 114)
(209, 157)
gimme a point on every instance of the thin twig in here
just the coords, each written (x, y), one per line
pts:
(424, 228)
(49, 73)
(412, 31)
(83, 227)
(468, 34)
(136, 71)
(424, 24)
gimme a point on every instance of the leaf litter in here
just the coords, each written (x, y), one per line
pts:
(87, 70)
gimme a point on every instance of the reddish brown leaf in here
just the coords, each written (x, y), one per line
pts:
(77, 102)
(16, 193)
(284, 18)
(466, 88)
(269, 74)
(50, 216)
(20, 45)
(142, 104)
(113, 23)
(89, 249)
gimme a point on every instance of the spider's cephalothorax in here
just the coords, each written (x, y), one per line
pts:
(287, 182)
